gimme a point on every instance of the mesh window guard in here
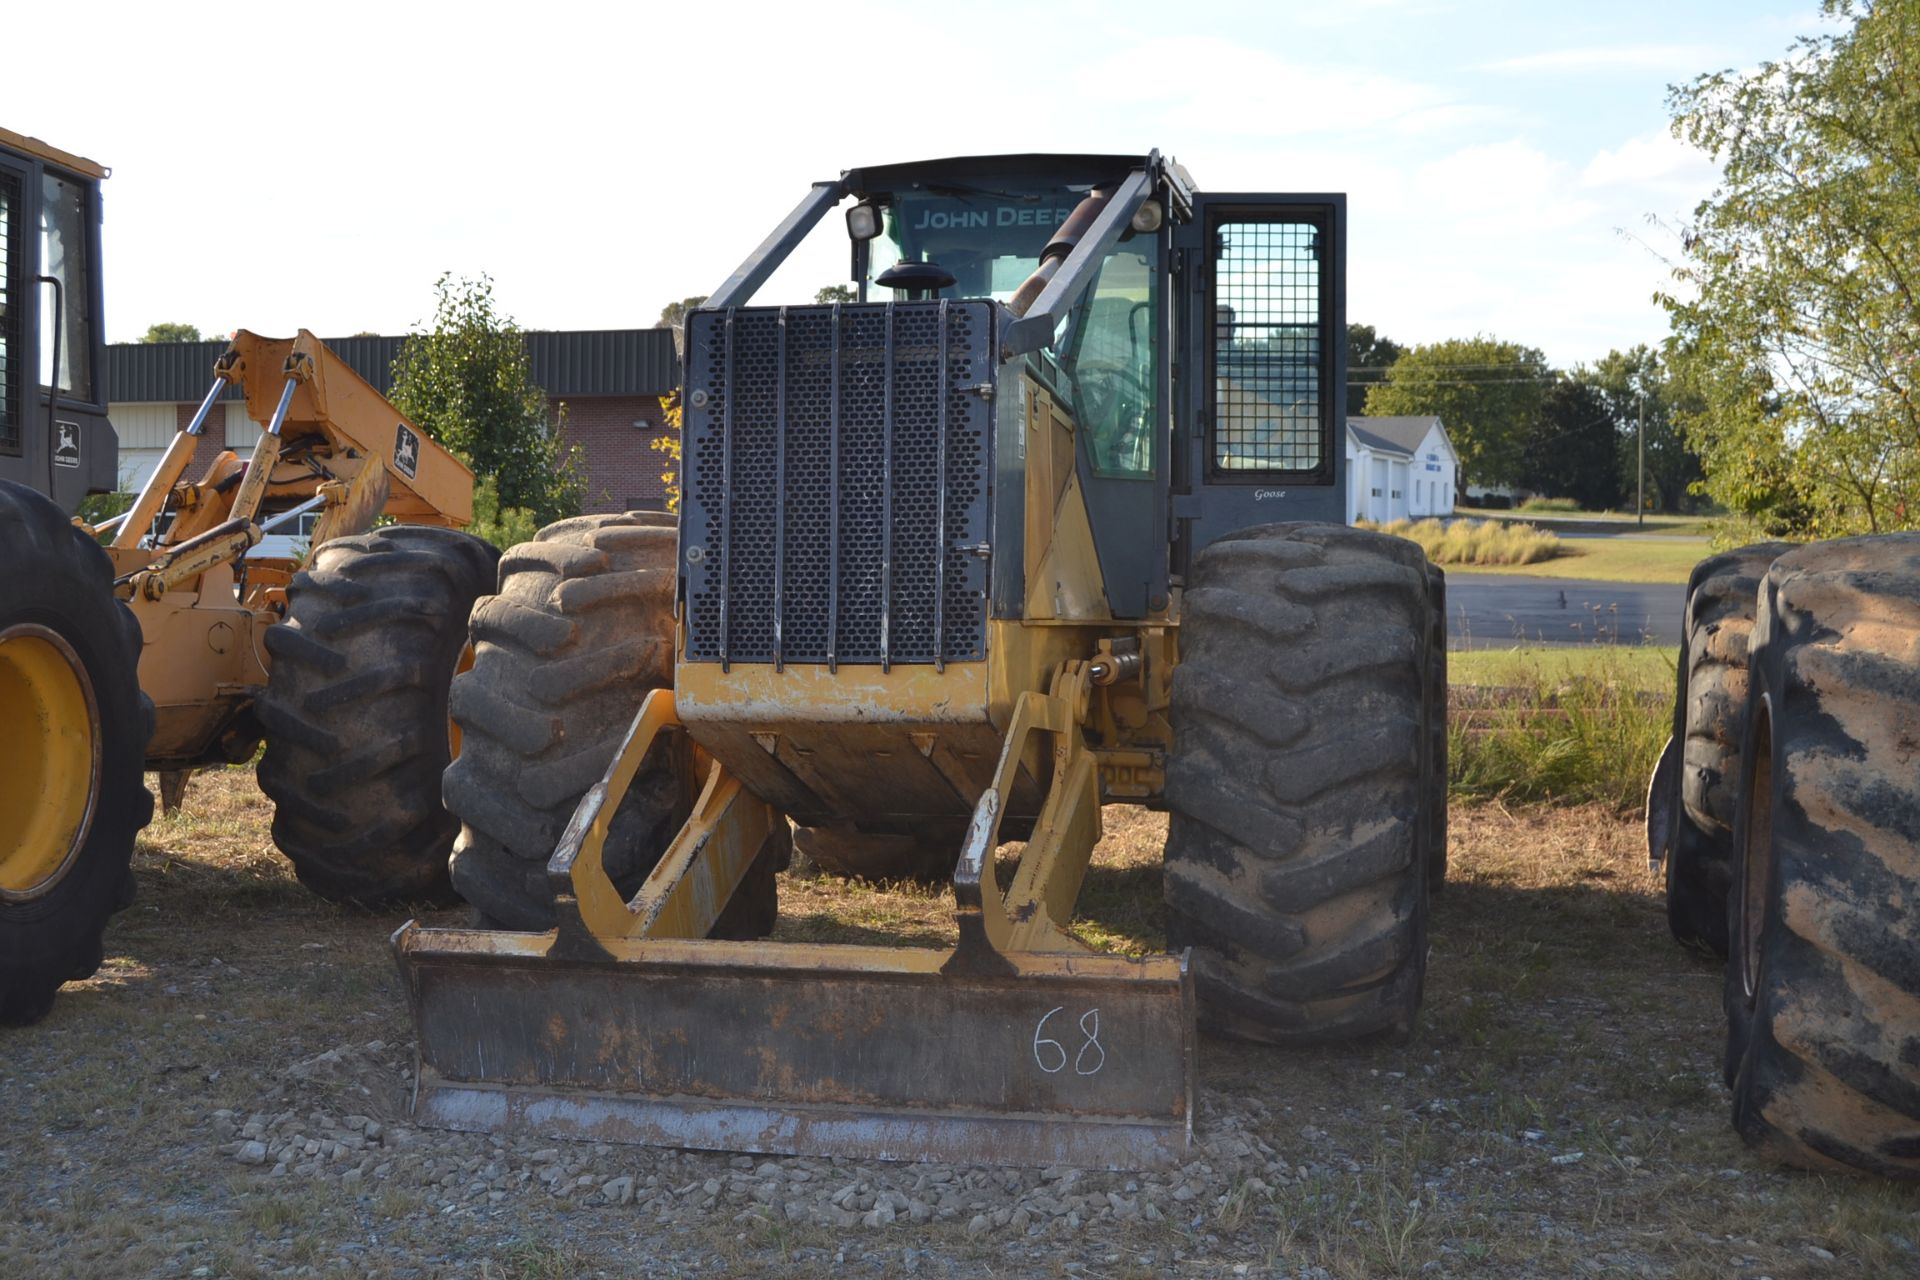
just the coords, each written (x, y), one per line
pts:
(1268, 347)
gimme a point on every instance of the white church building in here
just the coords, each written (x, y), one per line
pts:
(1399, 469)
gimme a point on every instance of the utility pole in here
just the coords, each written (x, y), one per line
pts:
(1640, 469)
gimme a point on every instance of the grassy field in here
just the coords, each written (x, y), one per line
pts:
(1676, 526)
(1558, 1112)
(1643, 668)
(1612, 560)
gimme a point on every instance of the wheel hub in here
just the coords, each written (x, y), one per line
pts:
(50, 759)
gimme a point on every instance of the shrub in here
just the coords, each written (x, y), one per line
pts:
(1475, 542)
(1588, 737)
(1550, 504)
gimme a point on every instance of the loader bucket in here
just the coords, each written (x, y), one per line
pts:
(805, 1049)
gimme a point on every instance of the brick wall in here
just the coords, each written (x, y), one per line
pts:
(622, 468)
(212, 440)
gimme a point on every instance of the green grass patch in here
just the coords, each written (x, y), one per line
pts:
(1475, 542)
(1619, 521)
(1573, 730)
(1645, 668)
(1611, 560)
(1563, 505)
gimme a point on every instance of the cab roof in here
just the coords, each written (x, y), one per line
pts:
(11, 141)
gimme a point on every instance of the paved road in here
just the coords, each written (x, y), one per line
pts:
(1492, 611)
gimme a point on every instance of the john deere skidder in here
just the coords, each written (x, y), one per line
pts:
(1049, 517)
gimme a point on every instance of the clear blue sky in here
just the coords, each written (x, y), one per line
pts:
(297, 166)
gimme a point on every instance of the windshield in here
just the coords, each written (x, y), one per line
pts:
(990, 237)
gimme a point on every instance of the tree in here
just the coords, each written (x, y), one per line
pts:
(167, 331)
(1368, 356)
(468, 384)
(674, 314)
(835, 293)
(1630, 381)
(1486, 392)
(1796, 318)
(1572, 450)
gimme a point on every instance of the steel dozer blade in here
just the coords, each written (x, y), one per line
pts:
(625, 1023)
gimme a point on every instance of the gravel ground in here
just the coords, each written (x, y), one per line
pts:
(229, 1098)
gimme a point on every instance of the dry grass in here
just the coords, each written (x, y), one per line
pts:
(1560, 1021)
(1480, 543)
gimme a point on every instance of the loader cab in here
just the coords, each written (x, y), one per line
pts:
(1190, 339)
(1201, 361)
(54, 434)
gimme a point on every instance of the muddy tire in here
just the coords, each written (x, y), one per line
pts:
(579, 633)
(926, 857)
(355, 711)
(72, 797)
(1300, 786)
(1822, 992)
(1709, 720)
(1436, 832)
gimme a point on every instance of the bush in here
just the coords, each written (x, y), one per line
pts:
(1570, 740)
(1476, 542)
(1550, 504)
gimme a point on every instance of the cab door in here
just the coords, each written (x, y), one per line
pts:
(1260, 426)
(68, 421)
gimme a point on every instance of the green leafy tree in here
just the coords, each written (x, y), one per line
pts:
(1637, 379)
(674, 314)
(1487, 393)
(1573, 450)
(170, 332)
(467, 383)
(1368, 356)
(1795, 319)
(835, 293)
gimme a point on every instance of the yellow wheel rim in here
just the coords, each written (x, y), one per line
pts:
(463, 664)
(49, 759)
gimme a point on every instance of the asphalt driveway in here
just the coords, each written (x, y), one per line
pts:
(1497, 611)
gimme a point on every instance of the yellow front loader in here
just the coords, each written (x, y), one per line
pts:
(178, 645)
(958, 562)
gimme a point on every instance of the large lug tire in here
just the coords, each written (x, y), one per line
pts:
(1822, 992)
(355, 711)
(72, 797)
(1301, 783)
(1709, 720)
(579, 633)
(1436, 829)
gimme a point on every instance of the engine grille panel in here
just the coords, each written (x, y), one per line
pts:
(835, 483)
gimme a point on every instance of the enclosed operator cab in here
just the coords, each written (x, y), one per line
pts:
(54, 433)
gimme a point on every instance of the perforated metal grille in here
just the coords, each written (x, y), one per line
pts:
(813, 529)
(11, 354)
(1269, 349)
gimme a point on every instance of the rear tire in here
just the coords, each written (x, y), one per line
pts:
(578, 635)
(64, 642)
(1301, 783)
(1822, 993)
(1709, 721)
(355, 711)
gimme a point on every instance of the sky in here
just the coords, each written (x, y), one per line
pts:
(1508, 165)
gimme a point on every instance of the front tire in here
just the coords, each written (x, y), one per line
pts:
(578, 635)
(76, 729)
(355, 711)
(1822, 993)
(1300, 786)
(1709, 722)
